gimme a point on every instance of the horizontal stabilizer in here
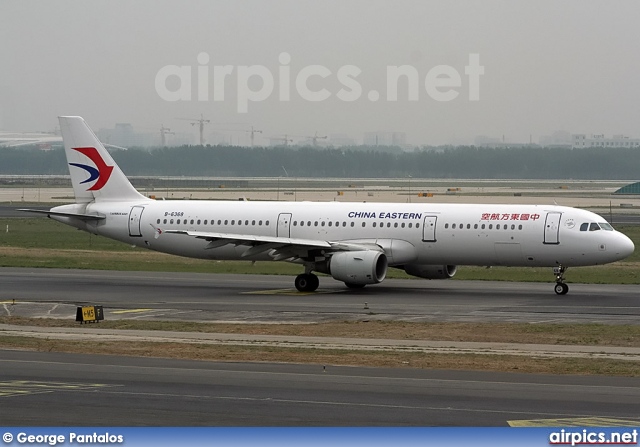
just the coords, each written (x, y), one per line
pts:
(62, 214)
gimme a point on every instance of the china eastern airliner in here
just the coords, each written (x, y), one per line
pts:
(355, 243)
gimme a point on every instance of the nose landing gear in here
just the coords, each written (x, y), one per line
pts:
(561, 288)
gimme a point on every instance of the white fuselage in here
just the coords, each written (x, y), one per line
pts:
(469, 234)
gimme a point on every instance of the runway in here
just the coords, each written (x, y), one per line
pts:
(70, 389)
(259, 298)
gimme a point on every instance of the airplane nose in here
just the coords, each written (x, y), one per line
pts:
(624, 246)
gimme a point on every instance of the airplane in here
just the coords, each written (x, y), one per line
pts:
(355, 243)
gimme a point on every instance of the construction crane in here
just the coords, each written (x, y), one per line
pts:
(315, 138)
(253, 132)
(284, 138)
(163, 132)
(201, 122)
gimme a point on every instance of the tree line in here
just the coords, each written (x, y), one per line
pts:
(362, 162)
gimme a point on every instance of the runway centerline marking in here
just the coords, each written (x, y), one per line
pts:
(289, 292)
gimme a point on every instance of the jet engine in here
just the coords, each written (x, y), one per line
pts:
(431, 271)
(359, 267)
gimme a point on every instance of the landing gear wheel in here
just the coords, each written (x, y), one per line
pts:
(561, 288)
(354, 286)
(307, 282)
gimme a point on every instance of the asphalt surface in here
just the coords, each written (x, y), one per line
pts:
(259, 298)
(70, 389)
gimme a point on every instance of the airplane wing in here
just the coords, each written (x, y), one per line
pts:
(284, 248)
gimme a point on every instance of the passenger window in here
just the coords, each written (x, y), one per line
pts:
(219, 221)
(352, 224)
(395, 225)
(402, 225)
(364, 224)
(468, 226)
(308, 223)
(388, 224)
(483, 226)
(178, 221)
(295, 223)
(374, 224)
(164, 221)
(322, 224)
(344, 224)
(239, 222)
(446, 225)
(198, 222)
(171, 221)
(330, 223)
(453, 226)
(491, 226)
(315, 224)
(158, 221)
(475, 227)
(417, 225)
(410, 225)
(520, 227)
(191, 221)
(267, 223)
(513, 227)
(498, 227)
(226, 222)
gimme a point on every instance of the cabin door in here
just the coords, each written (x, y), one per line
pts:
(284, 225)
(429, 229)
(134, 221)
(552, 228)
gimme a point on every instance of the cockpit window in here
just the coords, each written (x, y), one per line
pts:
(594, 226)
(605, 226)
(584, 226)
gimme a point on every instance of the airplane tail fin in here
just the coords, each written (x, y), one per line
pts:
(94, 174)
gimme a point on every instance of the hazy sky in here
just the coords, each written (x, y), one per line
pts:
(548, 65)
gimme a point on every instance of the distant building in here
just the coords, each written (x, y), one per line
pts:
(341, 139)
(380, 138)
(559, 138)
(485, 141)
(582, 140)
(124, 135)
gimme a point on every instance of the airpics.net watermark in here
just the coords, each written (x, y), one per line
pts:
(255, 83)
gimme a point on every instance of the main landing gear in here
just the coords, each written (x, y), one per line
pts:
(307, 282)
(561, 287)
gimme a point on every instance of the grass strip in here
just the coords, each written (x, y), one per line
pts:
(498, 363)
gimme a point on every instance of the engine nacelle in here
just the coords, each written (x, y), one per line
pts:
(359, 267)
(431, 271)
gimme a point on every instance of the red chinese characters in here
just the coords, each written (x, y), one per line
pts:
(507, 216)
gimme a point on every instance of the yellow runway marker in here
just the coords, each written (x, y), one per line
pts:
(290, 292)
(577, 422)
(26, 387)
(130, 311)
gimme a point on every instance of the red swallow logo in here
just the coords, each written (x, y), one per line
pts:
(101, 172)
